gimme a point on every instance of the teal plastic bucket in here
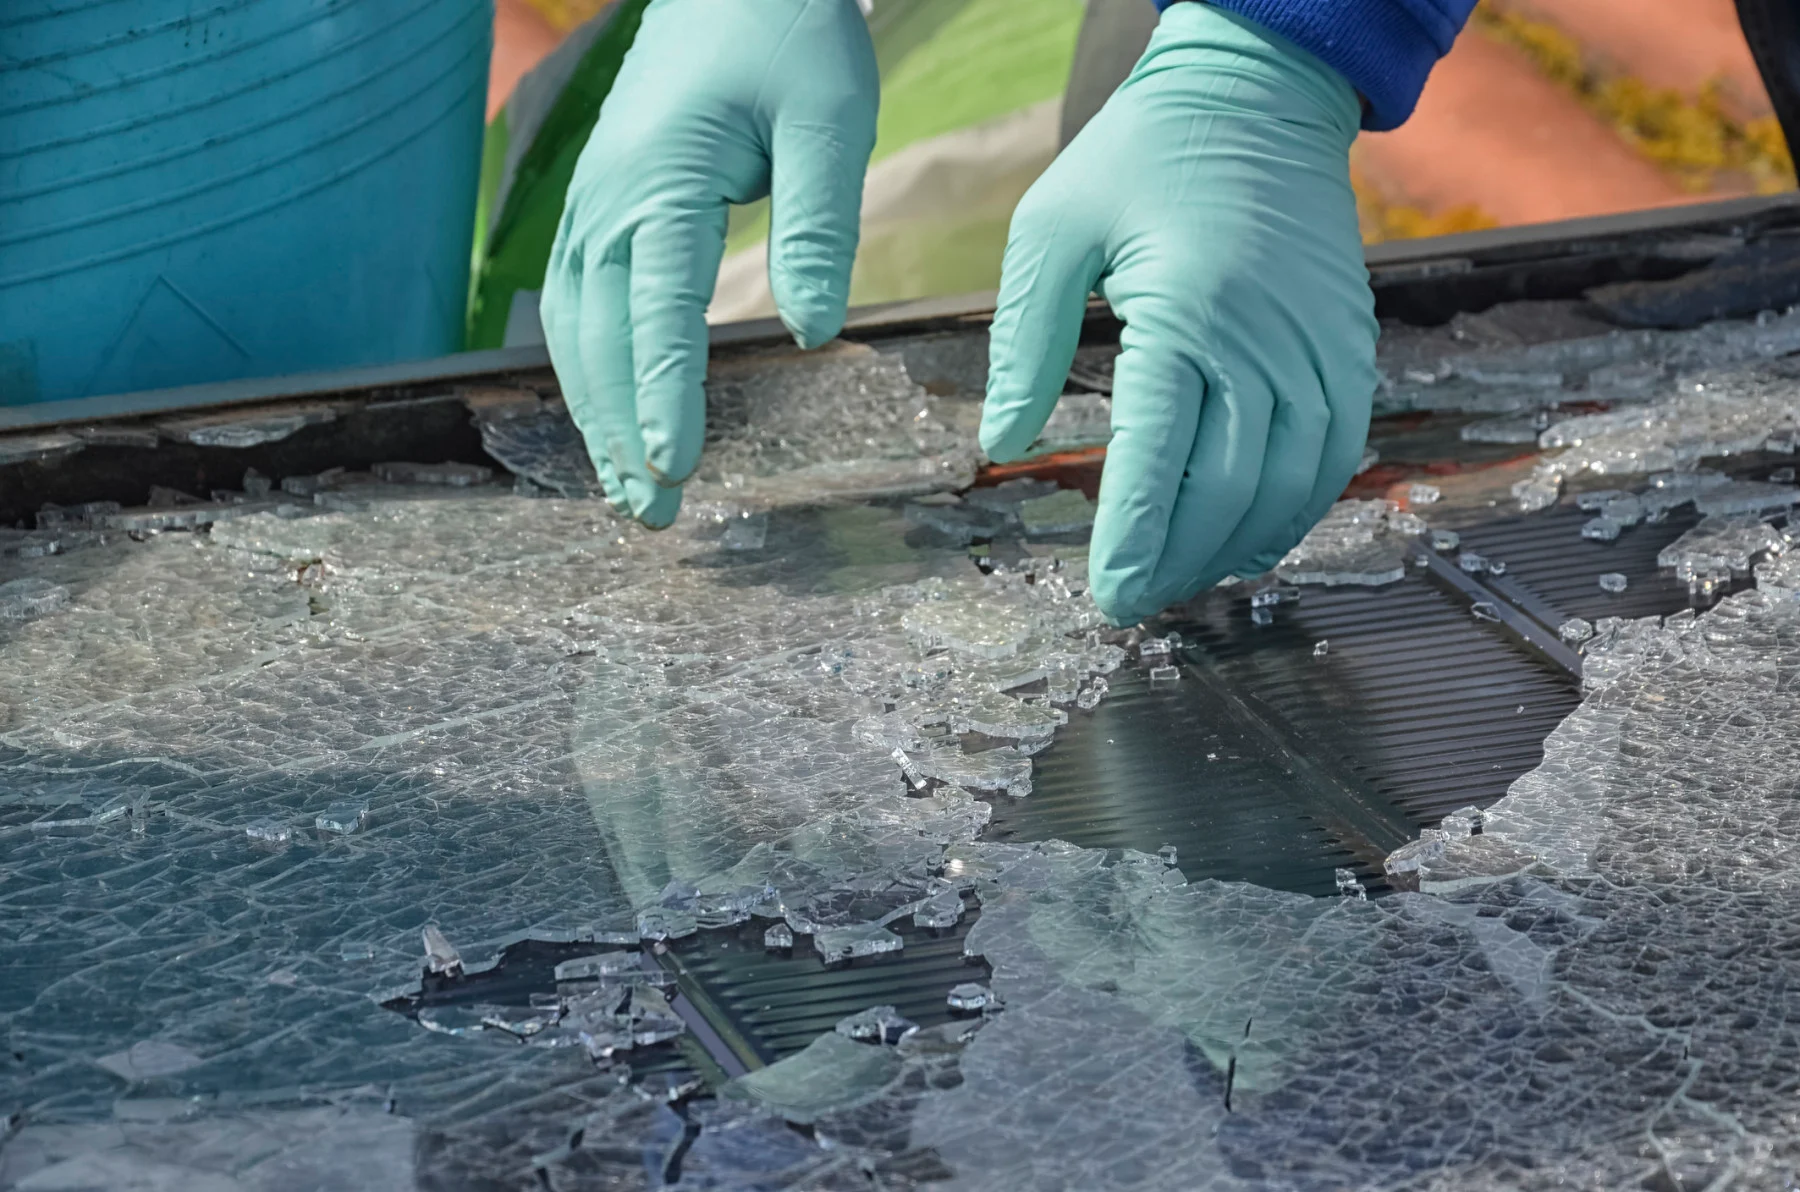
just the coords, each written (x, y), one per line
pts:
(201, 190)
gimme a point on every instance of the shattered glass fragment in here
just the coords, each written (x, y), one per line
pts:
(666, 923)
(269, 831)
(1464, 821)
(1575, 631)
(1746, 496)
(1168, 854)
(1598, 499)
(1321, 648)
(1164, 676)
(30, 597)
(1781, 476)
(1003, 769)
(985, 630)
(38, 448)
(1409, 524)
(1484, 610)
(441, 956)
(599, 967)
(1613, 581)
(1537, 492)
(877, 1024)
(74, 517)
(1508, 429)
(941, 910)
(184, 517)
(1152, 647)
(1356, 542)
(1472, 563)
(248, 428)
(1720, 545)
(652, 1019)
(1349, 886)
(1268, 597)
(914, 777)
(342, 819)
(970, 997)
(1600, 529)
(837, 944)
(1444, 541)
(1423, 494)
(536, 440)
(779, 938)
(307, 486)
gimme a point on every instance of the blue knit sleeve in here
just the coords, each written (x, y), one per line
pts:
(1384, 47)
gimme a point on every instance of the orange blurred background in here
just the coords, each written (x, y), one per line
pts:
(1546, 109)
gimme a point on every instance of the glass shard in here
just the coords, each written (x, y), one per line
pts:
(877, 1024)
(970, 997)
(441, 956)
(342, 819)
(838, 944)
(31, 597)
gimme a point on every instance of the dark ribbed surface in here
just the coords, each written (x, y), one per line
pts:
(778, 1004)
(1263, 764)
(1418, 701)
(1188, 766)
(1554, 573)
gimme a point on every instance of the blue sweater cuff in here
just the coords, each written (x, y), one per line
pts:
(1385, 48)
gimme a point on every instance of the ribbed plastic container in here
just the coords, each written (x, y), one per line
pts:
(200, 190)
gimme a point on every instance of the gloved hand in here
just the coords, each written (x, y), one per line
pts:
(1209, 202)
(718, 101)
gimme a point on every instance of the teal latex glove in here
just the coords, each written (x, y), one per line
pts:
(718, 102)
(1209, 202)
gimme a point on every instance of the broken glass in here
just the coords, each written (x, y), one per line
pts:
(1575, 631)
(244, 428)
(1357, 542)
(561, 726)
(1722, 543)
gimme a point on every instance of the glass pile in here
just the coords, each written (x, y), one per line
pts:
(538, 721)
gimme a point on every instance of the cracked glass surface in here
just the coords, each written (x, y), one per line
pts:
(538, 721)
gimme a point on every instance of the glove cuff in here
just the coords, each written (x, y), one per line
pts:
(1385, 48)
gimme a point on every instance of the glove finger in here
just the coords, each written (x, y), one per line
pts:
(815, 209)
(1290, 403)
(1339, 458)
(1347, 382)
(674, 265)
(1160, 399)
(606, 351)
(1048, 272)
(560, 312)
